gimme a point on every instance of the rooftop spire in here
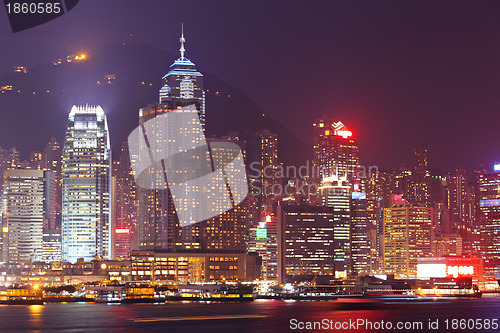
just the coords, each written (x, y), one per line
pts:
(182, 40)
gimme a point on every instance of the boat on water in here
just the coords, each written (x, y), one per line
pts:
(108, 298)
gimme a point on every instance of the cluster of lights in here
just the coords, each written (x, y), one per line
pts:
(81, 57)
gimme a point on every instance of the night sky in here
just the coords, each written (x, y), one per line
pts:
(400, 74)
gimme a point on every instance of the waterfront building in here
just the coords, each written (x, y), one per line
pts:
(194, 267)
(489, 220)
(28, 209)
(158, 224)
(407, 237)
(306, 241)
(335, 192)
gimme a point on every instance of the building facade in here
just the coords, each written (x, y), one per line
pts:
(407, 237)
(29, 209)
(335, 149)
(86, 178)
(489, 220)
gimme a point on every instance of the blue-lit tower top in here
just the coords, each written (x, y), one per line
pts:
(183, 81)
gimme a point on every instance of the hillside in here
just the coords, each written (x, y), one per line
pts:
(39, 101)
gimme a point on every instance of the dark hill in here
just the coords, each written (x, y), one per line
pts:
(29, 120)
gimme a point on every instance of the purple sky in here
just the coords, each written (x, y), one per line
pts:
(400, 74)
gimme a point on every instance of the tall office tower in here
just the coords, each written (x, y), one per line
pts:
(306, 241)
(336, 193)
(360, 247)
(126, 207)
(439, 190)
(183, 82)
(379, 188)
(407, 237)
(489, 220)
(263, 239)
(403, 181)
(419, 192)
(52, 160)
(86, 179)
(335, 149)
(458, 199)
(159, 227)
(228, 231)
(262, 160)
(28, 209)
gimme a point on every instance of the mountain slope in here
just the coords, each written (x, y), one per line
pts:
(47, 92)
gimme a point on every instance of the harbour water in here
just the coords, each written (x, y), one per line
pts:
(258, 316)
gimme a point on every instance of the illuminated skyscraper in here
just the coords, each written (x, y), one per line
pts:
(262, 159)
(489, 220)
(52, 160)
(335, 149)
(159, 227)
(407, 237)
(126, 203)
(360, 248)
(86, 182)
(379, 188)
(461, 200)
(28, 210)
(306, 241)
(336, 193)
(419, 191)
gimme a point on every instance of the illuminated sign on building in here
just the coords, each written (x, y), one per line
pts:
(122, 231)
(358, 195)
(451, 267)
(431, 270)
(496, 167)
(261, 233)
(460, 270)
(341, 130)
(489, 203)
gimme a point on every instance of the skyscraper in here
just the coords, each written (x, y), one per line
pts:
(336, 193)
(407, 237)
(28, 210)
(126, 207)
(52, 160)
(86, 178)
(306, 241)
(419, 191)
(360, 248)
(459, 200)
(335, 149)
(159, 227)
(379, 188)
(489, 220)
(262, 158)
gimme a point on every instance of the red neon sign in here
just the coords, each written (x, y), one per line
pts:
(122, 231)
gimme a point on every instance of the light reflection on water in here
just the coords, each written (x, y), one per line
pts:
(258, 316)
